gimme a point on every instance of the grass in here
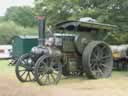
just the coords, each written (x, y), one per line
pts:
(5, 68)
(9, 71)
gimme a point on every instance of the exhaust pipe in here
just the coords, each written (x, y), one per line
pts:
(41, 31)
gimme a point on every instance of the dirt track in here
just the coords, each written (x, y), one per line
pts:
(10, 86)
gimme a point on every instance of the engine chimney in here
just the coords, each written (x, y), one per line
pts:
(41, 30)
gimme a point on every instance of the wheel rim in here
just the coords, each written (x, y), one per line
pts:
(48, 71)
(24, 69)
(100, 59)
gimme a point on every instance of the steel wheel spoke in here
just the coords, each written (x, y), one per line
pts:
(48, 79)
(22, 62)
(22, 65)
(101, 68)
(32, 73)
(42, 76)
(29, 76)
(94, 54)
(23, 74)
(53, 77)
(105, 66)
(93, 66)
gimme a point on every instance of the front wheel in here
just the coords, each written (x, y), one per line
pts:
(48, 70)
(24, 68)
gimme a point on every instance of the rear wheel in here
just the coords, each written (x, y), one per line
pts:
(97, 60)
(47, 70)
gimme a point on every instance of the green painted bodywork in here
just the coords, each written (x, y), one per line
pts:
(76, 36)
(82, 34)
(23, 44)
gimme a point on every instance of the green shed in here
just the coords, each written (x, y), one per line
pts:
(23, 44)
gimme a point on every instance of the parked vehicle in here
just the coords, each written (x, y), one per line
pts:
(73, 50)
(5, 51)
(120, 56)
(22, 45)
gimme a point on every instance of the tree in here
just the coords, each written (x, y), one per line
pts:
(102, 10)
(10, 29)
(2, 19)
(54, 10)
(21, 15)
(109, 11)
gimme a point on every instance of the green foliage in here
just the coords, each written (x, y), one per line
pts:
(102, 10)
(10, 29)
(21, 15)
(2, 19)
(105, 11)
(54, 10)
(4, 68)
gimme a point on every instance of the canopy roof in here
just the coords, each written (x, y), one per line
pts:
(26, 37)
(84, 26)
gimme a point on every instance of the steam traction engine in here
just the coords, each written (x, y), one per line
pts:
(73, 50)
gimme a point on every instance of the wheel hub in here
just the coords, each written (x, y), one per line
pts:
(49, 71)
(98, 62)
(28, 68)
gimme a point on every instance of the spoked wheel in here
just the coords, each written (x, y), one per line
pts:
(47, 70)
(97, 60)
(24, 68)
